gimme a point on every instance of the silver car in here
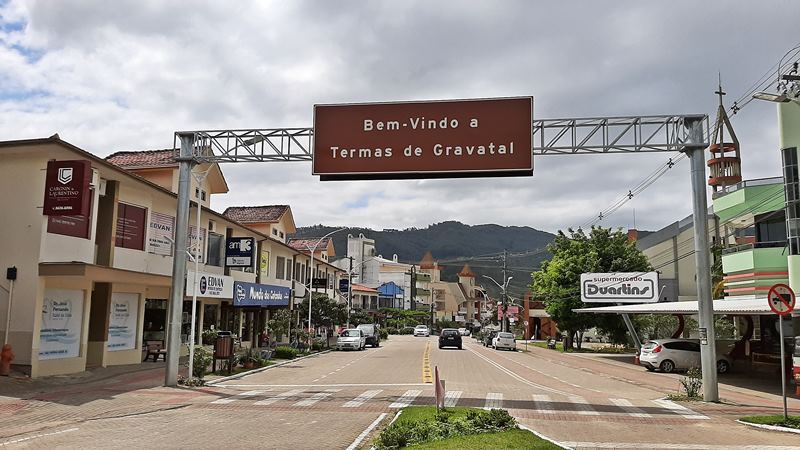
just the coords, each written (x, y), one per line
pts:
(422, 330)
(351, 339)
(504, 340)
(669, 355)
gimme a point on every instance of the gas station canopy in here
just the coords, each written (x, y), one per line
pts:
(746, 306)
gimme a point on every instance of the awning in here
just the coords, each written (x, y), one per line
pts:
(747, 306)
(538, 313)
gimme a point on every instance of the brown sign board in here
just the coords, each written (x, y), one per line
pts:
(66, 188)
(426, 139)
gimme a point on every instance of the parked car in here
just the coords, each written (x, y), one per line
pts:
(450, 337)
(488, 336)
(668, 355)
(352, 339)
(504, 340)
(422, 330)
(371, 334)
(463, 331)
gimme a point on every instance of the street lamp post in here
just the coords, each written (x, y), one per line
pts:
(311, 281)
(503, 299)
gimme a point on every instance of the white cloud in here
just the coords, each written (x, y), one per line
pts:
(120, 75)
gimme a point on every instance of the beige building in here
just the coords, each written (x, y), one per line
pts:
(455, 301)
(92, 289)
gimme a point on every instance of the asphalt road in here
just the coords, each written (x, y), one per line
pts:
(329, 400)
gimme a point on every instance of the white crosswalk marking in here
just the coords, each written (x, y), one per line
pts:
(493, 400)
(583, 406)
(279, 397)
(679, 409)
(542, 403)
(358, 401)
(628, 406)
(451, 398)
(240, 396)
(317, 397)
(406, 399)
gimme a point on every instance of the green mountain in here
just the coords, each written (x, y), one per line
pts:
(453, 244)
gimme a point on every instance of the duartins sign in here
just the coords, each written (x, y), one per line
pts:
(482, 137)
(66, 189)
(619, 287)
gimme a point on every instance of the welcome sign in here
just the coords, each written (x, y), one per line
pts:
(619, 287)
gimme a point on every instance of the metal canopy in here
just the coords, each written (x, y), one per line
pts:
(591, 135)
(747, 306)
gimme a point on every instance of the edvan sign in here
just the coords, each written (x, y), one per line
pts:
(432, 139)
(66, 188)
(619, 287)
(209, 285)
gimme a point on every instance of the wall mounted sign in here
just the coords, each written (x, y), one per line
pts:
(131, 226)
(62, 324)
(66, 188)
(252, 294)
(240, 251)
(161, 235)
(123, 320)
(619, 287)
(426, 139)
(209, 285)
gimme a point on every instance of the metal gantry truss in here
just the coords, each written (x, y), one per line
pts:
(631, 134)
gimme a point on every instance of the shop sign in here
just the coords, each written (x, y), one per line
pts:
(209, 285)
(130, 226)
(511, 312)
(240, 251)
(619, 287)
(264, 264)
(66, 188)
(319, 283)
(191, 243)
(62, 322)
(123, 319)
(344, 285)
(428, 139)
(161, 236)
(252, 294)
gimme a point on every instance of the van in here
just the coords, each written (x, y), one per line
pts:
(370, 331)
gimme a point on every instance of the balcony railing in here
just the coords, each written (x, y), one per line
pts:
(748, 183)
(750, 246)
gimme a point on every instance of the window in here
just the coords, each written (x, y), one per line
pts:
(280, 267)
(203, 195)
(297, 272)
(792, 184)
(288, 269)
(281, 234)
(130, 226)
(216, 246)
(274, 232)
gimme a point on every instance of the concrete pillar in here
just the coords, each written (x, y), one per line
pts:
(200, 315)
(99, 313)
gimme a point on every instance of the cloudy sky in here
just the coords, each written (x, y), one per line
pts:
(124, 75)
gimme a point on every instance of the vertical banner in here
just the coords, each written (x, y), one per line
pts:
(162, 232)
(263, 266)
(192, 241)
(62, 322)
(123, 319)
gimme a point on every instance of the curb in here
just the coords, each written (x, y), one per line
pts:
(769, 427)
(261, 369)
(541, 436)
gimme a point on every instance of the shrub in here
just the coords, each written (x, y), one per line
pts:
(284, 352)
(318, 345)
(402, 434)
(406, 330)
(692, 382)
(392, 330)
(383, 333)
(202, 358)
(210, 337)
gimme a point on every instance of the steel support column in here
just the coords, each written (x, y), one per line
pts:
(185, 163)
(705, 306)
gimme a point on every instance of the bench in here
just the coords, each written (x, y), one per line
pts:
(155, 349)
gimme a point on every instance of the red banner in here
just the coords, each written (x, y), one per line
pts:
(66, 189)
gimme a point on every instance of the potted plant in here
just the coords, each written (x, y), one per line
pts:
(250, 358)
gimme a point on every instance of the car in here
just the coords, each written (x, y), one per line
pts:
(463, 331)
(488, 336)
(450, 337)
(669, 355)
(352, 339)
(504, 340)
(422, 330)
(371, 333)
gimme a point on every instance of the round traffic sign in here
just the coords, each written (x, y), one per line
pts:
(781, 299)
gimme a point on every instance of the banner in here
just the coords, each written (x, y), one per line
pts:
(62, 322)
(619, 287)
(66, 188)
(162, 229)
(123, 320)
(252, 294)
(264, 265)
(191, 239)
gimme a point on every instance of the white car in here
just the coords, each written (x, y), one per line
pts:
(463, 331)
(668, 355)
(504, 340)
(422, 330)
(352, 339)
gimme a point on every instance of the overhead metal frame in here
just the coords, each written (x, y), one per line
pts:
(592, 135)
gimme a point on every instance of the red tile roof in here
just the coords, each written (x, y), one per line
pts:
(144, 158)
(304, 244)
(427, 261)
(256, 214)
(362, 288)
(466, 272)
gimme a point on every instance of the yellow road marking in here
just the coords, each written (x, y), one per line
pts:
(427, 375)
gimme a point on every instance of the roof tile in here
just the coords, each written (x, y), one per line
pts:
(256, 214)
(144, 158)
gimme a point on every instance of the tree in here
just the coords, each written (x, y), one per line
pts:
(280, 323)
(558, 280)
(324, 311)
(358, 317)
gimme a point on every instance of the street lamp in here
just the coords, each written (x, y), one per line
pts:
(311, 281)
(503, 287)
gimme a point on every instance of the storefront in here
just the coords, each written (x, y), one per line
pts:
(254, 302)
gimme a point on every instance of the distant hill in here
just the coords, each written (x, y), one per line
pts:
(453, 244)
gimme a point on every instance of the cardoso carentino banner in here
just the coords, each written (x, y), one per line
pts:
(619, 287)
